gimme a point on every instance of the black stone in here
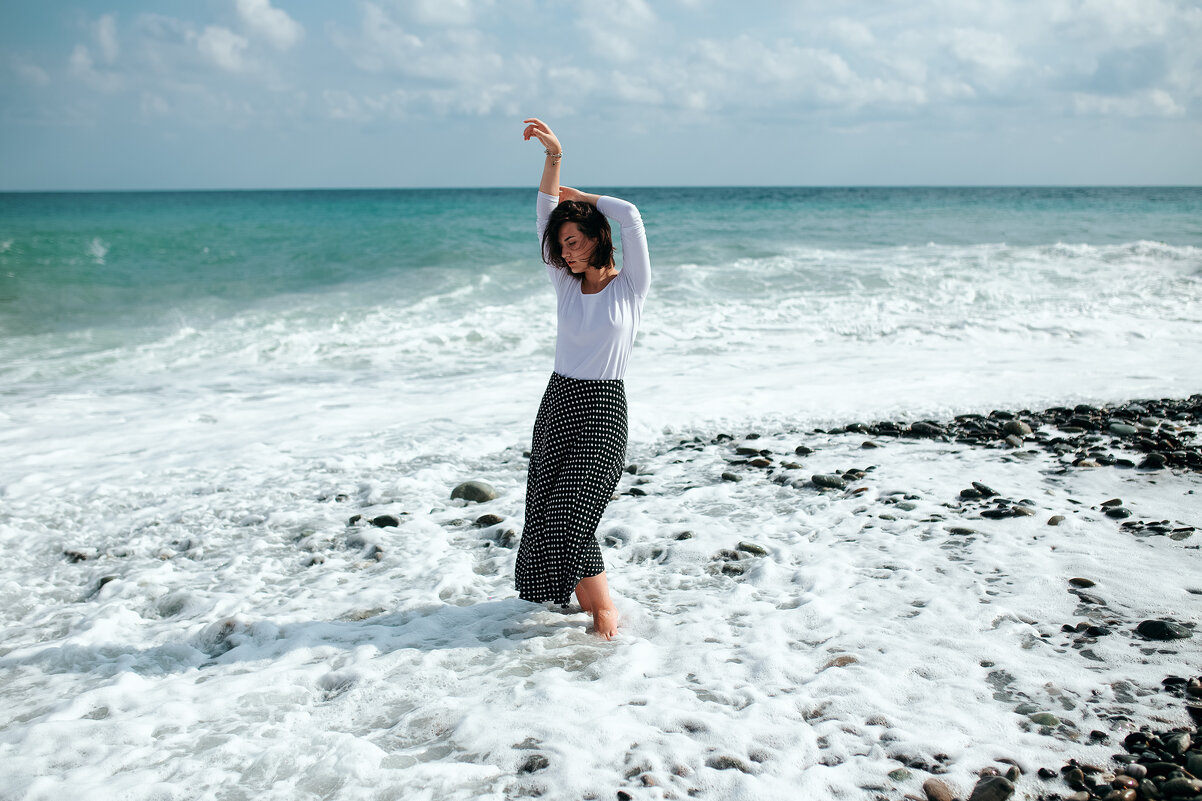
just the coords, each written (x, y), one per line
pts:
(1154, 461)
(534, 762)
(924, 429)
(1163, 630)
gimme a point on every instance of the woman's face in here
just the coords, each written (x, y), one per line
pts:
(577, 248)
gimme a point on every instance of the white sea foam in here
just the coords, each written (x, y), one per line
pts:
(98, 249)
(230, 636)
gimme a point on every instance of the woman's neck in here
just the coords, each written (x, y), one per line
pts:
(596, 280)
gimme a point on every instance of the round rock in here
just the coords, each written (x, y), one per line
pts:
(1017, 428)
(828, 481)
(992, 788)
(1163, 630)
(1154, 461)
(474, 491)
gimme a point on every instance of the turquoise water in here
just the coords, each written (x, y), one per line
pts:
(123, 260)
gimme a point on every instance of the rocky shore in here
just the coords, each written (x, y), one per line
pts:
(1143, 435)
(923, 542)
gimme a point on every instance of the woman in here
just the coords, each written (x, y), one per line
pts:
(579, 447)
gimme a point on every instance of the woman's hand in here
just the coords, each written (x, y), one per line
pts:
(568, 193)
(543, 133)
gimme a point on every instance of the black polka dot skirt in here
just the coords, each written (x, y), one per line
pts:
(577, 457)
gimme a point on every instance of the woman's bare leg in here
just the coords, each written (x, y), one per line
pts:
(586, 600)
(605, 615)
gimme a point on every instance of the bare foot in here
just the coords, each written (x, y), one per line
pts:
(605, 622)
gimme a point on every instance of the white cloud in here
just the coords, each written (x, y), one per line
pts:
(273, 24)
(1151, 103)
(783, 76)
(383, 43)
(1127, 22)
(154, 106)
(29, 72)
(105, 31)
(851, 33)
(459, 57)
(83, 67)
(619, 30)
(447, 12)
(990, 51)
(342, 105)
(223, 47)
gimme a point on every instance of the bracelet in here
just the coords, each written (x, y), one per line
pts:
(556, 156)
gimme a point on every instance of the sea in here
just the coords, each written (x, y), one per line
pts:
(200, 390)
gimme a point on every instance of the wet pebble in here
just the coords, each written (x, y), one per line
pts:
(724, 762)
(1163, 630)
(533, 763)
(828, 481)
(992, 788)
(1017, 428)
(925, 429)
(1154, 461)
(1182, 786)
(474, 491)
(936, 790)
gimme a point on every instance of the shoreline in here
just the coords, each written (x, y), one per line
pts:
(901, 620)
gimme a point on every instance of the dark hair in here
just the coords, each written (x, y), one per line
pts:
(593, 225)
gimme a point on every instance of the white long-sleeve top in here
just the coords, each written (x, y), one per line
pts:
(595, 333)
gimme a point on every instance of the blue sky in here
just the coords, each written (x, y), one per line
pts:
(130, 94)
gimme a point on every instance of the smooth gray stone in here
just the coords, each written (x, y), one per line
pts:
(475, 491)
(752, 548)
(828, 481)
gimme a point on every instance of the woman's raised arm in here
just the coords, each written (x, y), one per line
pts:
(542, 132)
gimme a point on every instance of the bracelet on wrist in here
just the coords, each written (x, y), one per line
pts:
(556, 156)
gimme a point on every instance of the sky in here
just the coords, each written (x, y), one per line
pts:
(241, 94)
